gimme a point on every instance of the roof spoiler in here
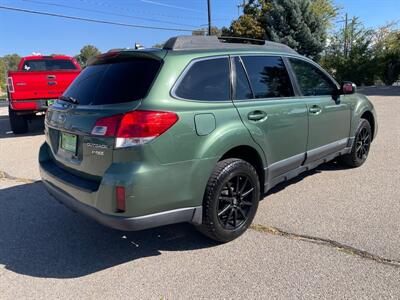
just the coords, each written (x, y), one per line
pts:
(115, 55)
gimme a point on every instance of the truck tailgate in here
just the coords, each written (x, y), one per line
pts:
(41, 84)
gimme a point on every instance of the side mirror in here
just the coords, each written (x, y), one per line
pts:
(348, 88)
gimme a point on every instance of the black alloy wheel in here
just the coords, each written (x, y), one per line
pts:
(363, 141)
(235, 201)
(230, 200)
(361, 146)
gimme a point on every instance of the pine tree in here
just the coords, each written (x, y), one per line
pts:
(297, 24)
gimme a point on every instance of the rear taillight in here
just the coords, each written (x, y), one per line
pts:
(136, 127)
(107, 126)
(10, 85)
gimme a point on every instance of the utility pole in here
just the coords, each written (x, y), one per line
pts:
(241, 6)
(346, 28)
(209, 16)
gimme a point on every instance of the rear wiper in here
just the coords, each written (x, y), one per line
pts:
(69, 99)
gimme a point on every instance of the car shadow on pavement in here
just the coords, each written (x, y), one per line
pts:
(36, 127)
(39, 237)
(380, 90)
(329, 166)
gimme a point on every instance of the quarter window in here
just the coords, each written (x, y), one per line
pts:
(206, 80)
(268, 76)
(312, 81)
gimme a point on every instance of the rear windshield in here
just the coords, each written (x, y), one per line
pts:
(114, 82)
(48, 65)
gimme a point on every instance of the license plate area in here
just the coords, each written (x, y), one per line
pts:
(68, 142)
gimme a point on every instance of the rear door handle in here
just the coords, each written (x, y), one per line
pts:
(315, 109)
(257, 115)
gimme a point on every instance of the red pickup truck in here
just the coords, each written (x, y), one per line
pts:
(37, 83)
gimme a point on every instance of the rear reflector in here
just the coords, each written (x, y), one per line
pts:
(10, 84)
(120, 198)
(135, 127)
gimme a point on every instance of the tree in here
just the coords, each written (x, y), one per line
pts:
(86, 53)
(3, 71)
(7, 62)
(12, 61)
(386, 46)
(349, 55)
(245, 26)
(300, 24)
(158, 45)
(295, 24)
(204, 31)
(326, 10)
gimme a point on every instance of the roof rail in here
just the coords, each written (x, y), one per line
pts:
(244, 40)
(187, 42)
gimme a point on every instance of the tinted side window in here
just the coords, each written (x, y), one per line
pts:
(312, 81)
(268, 76)
(206, 80)
(243, 90)
(114, 82)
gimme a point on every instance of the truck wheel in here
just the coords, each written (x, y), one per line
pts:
(230, 200)
(359, 151)
(19, 124)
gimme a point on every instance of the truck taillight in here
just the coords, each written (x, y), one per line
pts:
(135, 127)
(10, 85)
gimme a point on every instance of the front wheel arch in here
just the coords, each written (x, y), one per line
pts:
(367, 115)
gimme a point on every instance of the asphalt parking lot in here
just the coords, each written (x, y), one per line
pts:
(331, 233)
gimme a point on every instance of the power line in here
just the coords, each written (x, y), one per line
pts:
(152, 12)
(169, 5)
(105, 13)
(104, 4)
(93, 20)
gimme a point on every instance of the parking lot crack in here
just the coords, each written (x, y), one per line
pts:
(6, 176)
(326, 242)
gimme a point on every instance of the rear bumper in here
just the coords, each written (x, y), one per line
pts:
(95, 199)
(29, 105)
(191, 214)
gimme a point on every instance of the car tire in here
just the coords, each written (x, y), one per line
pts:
(361, 145)
(230, 200)
(19, 124)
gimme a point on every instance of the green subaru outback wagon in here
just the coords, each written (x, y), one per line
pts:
(196, 132)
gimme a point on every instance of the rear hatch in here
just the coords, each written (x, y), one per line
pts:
(43, 79)
(112, 85)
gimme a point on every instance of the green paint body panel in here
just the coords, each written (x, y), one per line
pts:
(331, 124)
(172, 171)
(283, 133)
